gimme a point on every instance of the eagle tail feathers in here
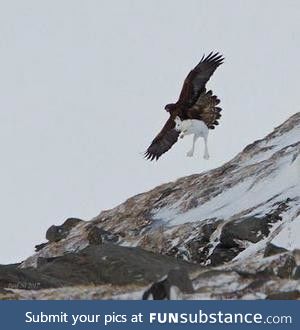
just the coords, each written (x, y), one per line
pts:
(206, 109)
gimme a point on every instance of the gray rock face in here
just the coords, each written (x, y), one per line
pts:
(250, 229)
(289, 295)
(272, 249)
(94, 265)
(57, 233)
(111, 264)
(296, 274)
(95, 235)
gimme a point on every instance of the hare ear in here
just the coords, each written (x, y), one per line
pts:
(177, 119)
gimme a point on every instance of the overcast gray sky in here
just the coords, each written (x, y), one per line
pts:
(82, 90)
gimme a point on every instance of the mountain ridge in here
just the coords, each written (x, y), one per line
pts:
(236, 219)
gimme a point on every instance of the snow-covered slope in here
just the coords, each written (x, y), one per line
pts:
(226, 217)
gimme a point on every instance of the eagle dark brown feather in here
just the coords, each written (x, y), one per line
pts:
(194, 83)
(163, 141)
(206, 109)
(193, 103)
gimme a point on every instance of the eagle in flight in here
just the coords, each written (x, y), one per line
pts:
(195, 112)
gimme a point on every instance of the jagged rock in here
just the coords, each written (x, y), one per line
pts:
(286, 269)
(161, 290)
(289, 295)
(272, 249)
(11, 277)
(105, 264)
(296, 254)
(282, 266)
(250, 229)
(108, 236)
(109, 263)
(296, 274)
(198, 247)
(56, 233)
(94, 236)
(8, 295)
(39, 247)
(3, 291)
(223, 253)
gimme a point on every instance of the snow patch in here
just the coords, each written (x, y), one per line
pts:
(288, 237)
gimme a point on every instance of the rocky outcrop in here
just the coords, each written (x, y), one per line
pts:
(93, 265)
(232, 229)
(177, 279)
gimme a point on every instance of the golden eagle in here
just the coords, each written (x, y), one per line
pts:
(195, 106)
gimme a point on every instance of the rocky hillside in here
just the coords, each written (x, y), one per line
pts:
(233, 230)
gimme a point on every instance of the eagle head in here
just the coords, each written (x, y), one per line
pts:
(170, 107)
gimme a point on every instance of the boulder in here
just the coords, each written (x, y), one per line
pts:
(57, 233)
(94, 265)
(161, 290)
(288, 295)
(272, 249)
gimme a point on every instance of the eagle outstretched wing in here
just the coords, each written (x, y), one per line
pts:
(194, 83)
(163, 141)
(193, 103)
